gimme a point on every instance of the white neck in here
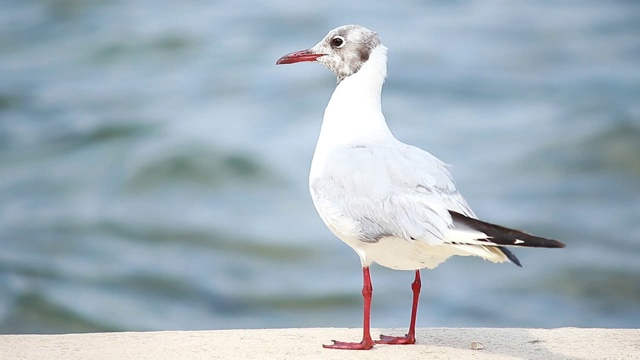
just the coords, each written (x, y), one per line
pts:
(354, 113)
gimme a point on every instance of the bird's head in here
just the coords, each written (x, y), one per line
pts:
(343, 51)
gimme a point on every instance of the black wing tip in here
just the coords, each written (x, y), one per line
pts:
(501, 235)
(545, 243)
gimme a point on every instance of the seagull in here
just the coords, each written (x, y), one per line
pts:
(394, 204)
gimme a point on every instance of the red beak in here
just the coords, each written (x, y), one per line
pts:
(298, 56)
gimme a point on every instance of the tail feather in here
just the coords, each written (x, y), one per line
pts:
(511, 256)
(501, 236)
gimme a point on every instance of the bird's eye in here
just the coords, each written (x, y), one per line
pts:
(337, 42)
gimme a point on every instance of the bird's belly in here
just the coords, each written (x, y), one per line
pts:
(401, 254)
(398, 253)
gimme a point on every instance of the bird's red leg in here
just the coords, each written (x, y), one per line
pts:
(410, 338)
(366, 343)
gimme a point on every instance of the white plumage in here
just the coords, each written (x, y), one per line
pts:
(365, 183)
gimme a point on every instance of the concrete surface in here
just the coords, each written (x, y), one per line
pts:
(439, 343)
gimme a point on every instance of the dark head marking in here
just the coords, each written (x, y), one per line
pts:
(346, 49)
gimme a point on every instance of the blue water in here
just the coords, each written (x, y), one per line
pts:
(154, 161)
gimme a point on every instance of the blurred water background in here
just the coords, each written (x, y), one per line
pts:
(154, 161)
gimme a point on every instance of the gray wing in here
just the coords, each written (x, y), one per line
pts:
(381, 190)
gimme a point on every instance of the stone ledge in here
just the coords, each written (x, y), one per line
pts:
(436, 343)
